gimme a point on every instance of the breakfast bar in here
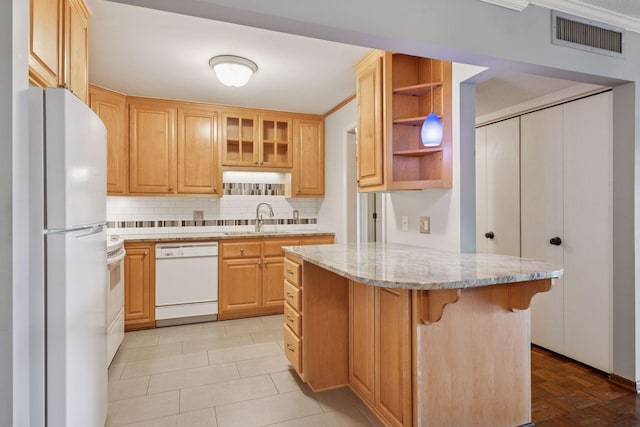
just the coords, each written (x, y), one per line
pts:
(423, 337)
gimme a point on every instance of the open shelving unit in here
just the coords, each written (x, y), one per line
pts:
(419, 86)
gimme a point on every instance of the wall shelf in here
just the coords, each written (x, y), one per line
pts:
(417, 153)
(417, 90)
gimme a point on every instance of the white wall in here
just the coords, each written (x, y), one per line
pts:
(442, 206)
(14, 208)
(332, 214)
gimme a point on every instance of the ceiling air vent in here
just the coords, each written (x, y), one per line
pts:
(585, 34)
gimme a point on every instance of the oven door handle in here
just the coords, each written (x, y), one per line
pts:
(120, 255)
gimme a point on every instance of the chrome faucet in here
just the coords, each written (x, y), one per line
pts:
(259, 215)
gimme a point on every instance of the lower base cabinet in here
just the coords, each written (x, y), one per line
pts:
(379, 356)
(139, 286)
(251, 272)
(437, 358)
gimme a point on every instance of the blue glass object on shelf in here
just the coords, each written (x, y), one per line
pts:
(431, 132)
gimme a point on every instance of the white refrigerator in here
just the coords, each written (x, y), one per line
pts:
(68, 382)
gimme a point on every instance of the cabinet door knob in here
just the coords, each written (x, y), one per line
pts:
(555, 241)
(255, 162)
(489, 235)
(215, 189)
(146, 253)
(265, 262)
(170, 188)
(242, 251)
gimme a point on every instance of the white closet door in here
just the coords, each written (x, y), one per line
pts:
(481, 189)
(498, 188)
(587, 238)
(503, 187)
(542, 215)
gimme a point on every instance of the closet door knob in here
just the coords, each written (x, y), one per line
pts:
(489, 235)
(556, 241)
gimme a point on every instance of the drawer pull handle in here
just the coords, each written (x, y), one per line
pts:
(289, 271)
(289, 295)
(289, 319)
(291, 348)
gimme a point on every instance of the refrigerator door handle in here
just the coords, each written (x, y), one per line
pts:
(92, 229)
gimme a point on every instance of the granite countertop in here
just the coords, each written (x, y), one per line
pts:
(173, 237)
(410, 267)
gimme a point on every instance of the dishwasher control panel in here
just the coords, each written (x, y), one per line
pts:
(182, 250)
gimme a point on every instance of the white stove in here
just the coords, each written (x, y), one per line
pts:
(115, 295)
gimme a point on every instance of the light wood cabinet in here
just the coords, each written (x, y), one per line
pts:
(139, 285)
(197, 168)
(111, 107)
(58, 45)
(369, 98)
(45, 42)
(498, 188)
(76, 74)
(240, 286)
(362, 340)
(251, 273)
(152, 147)
(276, 145)
(396, 93)
(240, 139)
(379, 359)
(308, 165)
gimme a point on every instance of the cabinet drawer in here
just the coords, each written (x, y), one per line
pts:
(293, 319)
(292, 272)
(317, 240)
(272, 247)
(240, 249)
(293, 350)
(293, 296)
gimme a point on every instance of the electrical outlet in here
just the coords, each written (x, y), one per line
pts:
(198, 215)
(296, 214)
(425, 225)
(405, 223)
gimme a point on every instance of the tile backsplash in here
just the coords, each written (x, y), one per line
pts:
(131, 215)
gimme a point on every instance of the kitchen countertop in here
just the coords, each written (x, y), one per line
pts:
(410, 267)
(173, 237)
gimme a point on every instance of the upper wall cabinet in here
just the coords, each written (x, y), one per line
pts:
(395, 94)
(45, 42)
(76, 51)
(178, 148)
(198, 170)
(152, 147)
(240, 139)
(111, 107)
(254, 140)
(58, 45)
(307, 178)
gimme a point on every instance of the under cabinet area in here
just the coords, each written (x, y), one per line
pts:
(251, 272)
(139, 285)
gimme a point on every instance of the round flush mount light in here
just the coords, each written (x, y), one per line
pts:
(231, 70)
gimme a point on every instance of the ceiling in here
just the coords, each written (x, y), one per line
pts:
(624, 7)
(152, 53)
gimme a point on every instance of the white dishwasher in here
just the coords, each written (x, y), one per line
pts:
(186, 283)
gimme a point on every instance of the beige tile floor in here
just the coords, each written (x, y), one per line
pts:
(226, 373)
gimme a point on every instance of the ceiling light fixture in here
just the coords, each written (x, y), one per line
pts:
(231, 70)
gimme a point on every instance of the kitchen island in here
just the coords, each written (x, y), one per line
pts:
(423, 337)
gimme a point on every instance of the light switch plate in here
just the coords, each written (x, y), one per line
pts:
(198, 215)
(425, 225)
(405, 223)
